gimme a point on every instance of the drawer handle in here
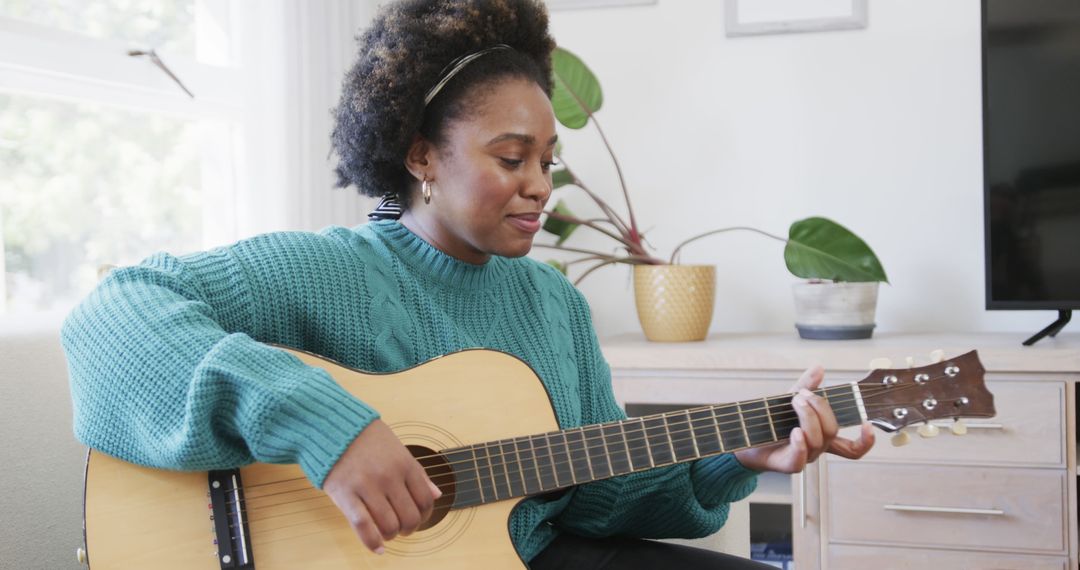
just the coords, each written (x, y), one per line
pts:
(951, 510)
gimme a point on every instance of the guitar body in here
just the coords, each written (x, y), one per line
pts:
(138, 517)
(457, 414)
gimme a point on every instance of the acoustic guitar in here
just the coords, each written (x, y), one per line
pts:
(482, 425)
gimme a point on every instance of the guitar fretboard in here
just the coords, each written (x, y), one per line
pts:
(529, 465)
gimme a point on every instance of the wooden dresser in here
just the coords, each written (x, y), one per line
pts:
(1002, 496)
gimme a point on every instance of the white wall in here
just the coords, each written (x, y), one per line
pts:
(879, 129)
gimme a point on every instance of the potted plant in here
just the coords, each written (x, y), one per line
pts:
(675, 301)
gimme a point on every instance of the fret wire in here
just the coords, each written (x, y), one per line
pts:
(535, 444)
(693, 436)
(626, 444)
(671, 444)
(494, 474)
(521, 472)
(476, 466)
(570, 458)
(491, 473)
(551, 459)
(648, 446)
(607, 451)
(588, 459)
(614, 437)
(716, 425)
(505, 471)
(702, 427)
(768, 413)
(742, 420)
(596, 453)
(536, 465)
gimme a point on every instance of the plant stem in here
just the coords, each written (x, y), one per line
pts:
(574, 220)
(675, 253)
(614, 217)
(632, 239)
(634, 235)
(622, 180)
(631, 259)
(593, 268)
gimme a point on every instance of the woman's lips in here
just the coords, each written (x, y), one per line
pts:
(528, 223)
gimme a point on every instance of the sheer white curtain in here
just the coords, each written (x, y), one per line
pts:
(302, 50)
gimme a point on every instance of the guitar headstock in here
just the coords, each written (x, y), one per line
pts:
(953, 388)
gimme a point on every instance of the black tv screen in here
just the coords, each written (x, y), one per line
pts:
(1031, 153)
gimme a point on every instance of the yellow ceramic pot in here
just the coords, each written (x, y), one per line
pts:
(675, 302)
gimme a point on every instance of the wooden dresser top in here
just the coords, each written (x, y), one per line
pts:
(999, 352)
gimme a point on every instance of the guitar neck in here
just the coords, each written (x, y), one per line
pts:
(528, 465)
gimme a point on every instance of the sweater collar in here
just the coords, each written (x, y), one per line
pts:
(426, 259)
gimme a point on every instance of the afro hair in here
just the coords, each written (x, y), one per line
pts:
(402, 55)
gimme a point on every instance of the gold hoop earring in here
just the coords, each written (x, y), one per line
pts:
(425, 190)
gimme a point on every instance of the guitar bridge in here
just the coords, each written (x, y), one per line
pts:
(231, 533)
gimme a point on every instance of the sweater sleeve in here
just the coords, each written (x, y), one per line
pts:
(688, 500)
(165, 372)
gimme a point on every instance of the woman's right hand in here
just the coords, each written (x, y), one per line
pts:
(382, 490)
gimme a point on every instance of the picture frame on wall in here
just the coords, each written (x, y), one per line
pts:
(761, 17)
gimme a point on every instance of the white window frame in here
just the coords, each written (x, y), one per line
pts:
(42, 61)
(286, 63)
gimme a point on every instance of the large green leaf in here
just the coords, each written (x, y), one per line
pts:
(559, 227)
(575, 90)
(561, 178)
(819, 248)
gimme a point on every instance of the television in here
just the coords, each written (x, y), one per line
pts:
(1031, 156)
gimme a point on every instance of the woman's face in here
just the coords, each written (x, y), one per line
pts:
(491, 177)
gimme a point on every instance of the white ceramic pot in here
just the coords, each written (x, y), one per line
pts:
(835, 311)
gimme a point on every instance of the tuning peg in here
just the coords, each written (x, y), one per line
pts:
(880, 363)
(900, 439)
(937, 356)
(910, 361)
(928, 430)
(958, 427)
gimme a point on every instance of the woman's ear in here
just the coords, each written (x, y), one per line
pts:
(418, 159)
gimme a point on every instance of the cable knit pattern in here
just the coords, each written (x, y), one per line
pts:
(169, 366)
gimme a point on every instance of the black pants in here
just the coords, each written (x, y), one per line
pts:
(571, 552)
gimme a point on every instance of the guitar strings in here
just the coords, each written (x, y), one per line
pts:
(507, 473)
(867, 392)
(329, 504)
(785, 412)
(585, 441)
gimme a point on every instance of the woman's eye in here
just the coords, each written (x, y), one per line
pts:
(511, 162)
(546, 165)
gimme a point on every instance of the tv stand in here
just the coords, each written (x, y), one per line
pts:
(1051, 330)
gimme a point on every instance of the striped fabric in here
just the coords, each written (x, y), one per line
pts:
(388, 209)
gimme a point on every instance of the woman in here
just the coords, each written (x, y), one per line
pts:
(446, 114)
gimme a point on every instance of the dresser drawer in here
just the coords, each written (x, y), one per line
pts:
(965, 507)
(1028, 430)
(848, 557)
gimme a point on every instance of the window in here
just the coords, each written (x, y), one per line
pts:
(103, 157)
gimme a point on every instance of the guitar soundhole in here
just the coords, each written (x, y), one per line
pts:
(440, 473)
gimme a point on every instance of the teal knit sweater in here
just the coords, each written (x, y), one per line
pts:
(168, 366)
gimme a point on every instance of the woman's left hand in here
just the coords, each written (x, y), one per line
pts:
(815, 435)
